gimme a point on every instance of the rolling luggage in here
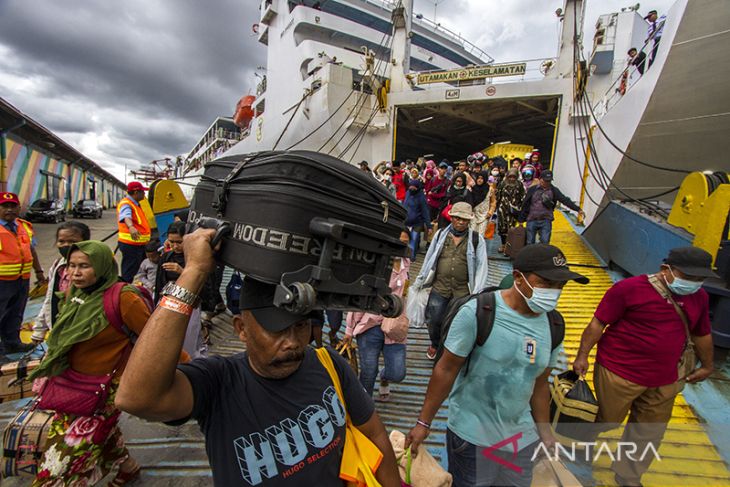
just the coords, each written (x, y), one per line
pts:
(24, 441)
(322, 230)
(516, 237)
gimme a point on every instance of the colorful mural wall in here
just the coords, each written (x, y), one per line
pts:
(28, 175)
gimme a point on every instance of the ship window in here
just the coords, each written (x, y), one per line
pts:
(304, 68)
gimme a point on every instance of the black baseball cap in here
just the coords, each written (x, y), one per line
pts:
(692, 261)
(548, 262)
(546, 175)
(258, 298)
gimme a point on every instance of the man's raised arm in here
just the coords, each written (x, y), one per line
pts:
(151, 386)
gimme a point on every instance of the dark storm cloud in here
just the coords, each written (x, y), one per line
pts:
(150, 75)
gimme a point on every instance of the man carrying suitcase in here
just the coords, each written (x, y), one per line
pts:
(271, 415)
(539, 205)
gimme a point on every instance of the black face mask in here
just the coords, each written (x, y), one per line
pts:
(64, 251)
(457, 233)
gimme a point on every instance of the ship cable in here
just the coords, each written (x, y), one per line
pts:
(383, 46)
(646, 204)
(578, 54)
(307, 92)
(360, 135)
(323, 123)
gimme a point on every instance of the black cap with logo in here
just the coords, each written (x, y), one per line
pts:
(548, 262)
(692, 261)
(258, 298)
(546, 175)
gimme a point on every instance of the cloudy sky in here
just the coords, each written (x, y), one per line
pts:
(126, 82)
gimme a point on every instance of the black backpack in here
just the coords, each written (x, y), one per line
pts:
(486, 305)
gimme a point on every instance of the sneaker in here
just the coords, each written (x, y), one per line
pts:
(431, 353)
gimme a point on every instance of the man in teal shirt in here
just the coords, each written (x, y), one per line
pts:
(503, 402)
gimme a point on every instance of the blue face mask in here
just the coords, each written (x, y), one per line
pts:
(543, 300)
(683, 287)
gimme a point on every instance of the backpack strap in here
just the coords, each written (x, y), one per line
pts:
(113, 310)
(486, 306)
(557, 328)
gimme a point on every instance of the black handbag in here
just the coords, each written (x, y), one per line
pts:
(322, 230)
(573, 407)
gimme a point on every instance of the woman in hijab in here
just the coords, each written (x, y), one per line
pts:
(457, 192)
(418, 218)
(529, 177)
(81, 450)
(483, 199)
(510, 194)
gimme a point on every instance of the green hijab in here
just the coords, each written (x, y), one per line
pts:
(81, 311)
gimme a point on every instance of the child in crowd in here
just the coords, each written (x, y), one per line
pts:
(147, 274)
(169, 268)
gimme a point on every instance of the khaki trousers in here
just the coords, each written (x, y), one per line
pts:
(649, 410)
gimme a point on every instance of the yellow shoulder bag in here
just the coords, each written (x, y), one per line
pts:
(360, 456)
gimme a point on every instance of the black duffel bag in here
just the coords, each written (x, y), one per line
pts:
(321, 229)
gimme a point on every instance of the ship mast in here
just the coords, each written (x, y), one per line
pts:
(401, 48)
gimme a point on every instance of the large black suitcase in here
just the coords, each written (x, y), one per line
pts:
(321, 229)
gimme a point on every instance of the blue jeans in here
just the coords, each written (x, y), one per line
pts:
(543, 227)
(13, 296)
(470, 468)
(370, 343)
(434, 316)
(415, 241)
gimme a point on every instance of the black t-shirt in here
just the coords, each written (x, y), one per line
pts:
(274, 432)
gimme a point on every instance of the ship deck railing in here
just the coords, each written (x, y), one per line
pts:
(429, 24)
(613, 94)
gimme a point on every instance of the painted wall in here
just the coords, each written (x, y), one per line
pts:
(25, 163)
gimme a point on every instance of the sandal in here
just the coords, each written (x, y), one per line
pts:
(124, 478)
(383, 393)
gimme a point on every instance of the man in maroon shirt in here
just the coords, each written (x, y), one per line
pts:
(640, 338)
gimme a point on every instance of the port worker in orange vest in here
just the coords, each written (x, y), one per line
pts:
(17, 258)
(134, 230)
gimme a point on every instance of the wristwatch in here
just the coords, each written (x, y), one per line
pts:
(181, 294)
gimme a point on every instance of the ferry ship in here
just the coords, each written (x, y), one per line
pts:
(369, 80)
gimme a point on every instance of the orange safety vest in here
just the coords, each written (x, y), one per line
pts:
(16, 258)
(140, 223)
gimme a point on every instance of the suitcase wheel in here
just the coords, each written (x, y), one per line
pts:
(393, 306)
(304, 298)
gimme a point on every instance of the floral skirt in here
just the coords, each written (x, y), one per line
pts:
(82, 450)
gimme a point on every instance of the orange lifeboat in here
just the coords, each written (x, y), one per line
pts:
(244, 111)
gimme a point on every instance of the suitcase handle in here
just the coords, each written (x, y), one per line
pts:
(222, 229)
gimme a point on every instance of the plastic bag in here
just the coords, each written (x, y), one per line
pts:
(396, 328)
(489, 233)
(416, 306)
(420, 470)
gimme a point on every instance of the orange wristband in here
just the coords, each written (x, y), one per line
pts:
(175, 305)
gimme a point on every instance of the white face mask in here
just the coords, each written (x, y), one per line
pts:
(543, 300)
(495, 172)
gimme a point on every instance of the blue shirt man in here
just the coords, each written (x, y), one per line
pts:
(501, 407)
